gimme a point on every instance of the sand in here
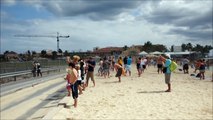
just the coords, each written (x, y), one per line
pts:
(144, 98)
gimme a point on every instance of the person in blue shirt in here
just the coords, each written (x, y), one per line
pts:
(128, 66)
(167, 62)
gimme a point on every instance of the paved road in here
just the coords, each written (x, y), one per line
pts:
(31, 99)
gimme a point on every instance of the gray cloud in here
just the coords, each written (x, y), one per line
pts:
(180, 17)
(193, 34)
(96, 10)
(195, 17)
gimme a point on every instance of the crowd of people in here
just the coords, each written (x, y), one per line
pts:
(79, 68)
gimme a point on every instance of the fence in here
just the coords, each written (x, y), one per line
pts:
(28, 65)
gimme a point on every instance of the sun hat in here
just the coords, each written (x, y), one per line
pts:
(167, 55)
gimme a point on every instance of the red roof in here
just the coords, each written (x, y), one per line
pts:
(109, 49)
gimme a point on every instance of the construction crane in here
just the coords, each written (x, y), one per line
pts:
(57, 37)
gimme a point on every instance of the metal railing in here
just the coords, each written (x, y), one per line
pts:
(14, 75)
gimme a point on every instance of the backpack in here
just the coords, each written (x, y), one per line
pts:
(173, 66)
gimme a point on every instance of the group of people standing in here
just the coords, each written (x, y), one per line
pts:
(77, 68)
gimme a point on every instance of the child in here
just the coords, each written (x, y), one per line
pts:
(68, 84)
(79, 78)
(72, 77)
(119, 70)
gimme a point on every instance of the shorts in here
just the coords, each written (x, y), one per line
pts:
(185, 67)
(144, 66)
(138, 66)
(160, 65)
(79, 82)
(106, 70)
(167, 78)
(74, 88)
(90, 75)
(128, 67)
(125, 66)
(119, 72)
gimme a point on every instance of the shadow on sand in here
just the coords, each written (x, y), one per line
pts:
(151, 92)
(111, 82)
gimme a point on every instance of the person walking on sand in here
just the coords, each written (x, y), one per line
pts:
(167, 60)
(90, 74)
(119, 70)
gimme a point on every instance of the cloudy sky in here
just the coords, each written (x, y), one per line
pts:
(103, 23)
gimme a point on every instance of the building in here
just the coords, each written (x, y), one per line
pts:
(11, 55)
(108, 51)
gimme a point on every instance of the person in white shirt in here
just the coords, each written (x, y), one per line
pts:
(143, 64)
(79, 81)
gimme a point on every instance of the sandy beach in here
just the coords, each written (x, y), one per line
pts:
(144, 98)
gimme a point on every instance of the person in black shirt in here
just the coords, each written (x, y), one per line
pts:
(90, 74)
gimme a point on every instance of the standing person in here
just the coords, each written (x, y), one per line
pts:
(120, 61)
(82, 73)
(160, 65)
(197, 65)
(143, 64)
(68, 85)
(202, 69)
(125, 62)
(128, 66)
(113, 63)
(100, 69)
(38, 67)
(185, 62)
(72, 76)
(79, 81)
(90, 74)
(138, 64)
(167, 61)
(106, 66)
(119, 69)
(76, 58)
(34, 69)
